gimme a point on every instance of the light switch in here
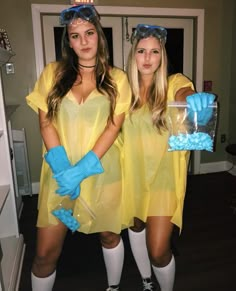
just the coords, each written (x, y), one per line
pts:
(10, 68)
(207, 86)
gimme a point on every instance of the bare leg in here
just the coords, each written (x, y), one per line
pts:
(159, 230)
(49, 245)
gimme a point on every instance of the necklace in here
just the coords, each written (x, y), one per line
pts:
(83, 66)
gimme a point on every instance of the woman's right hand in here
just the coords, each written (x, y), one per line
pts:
(70, 179)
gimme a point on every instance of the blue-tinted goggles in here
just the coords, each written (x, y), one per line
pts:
(145, 30)
(86, 12)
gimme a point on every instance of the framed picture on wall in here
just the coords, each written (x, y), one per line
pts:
(4, 41)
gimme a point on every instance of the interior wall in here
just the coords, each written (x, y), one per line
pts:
(218, 56)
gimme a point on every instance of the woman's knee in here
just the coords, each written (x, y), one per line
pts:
(109, 239)
(138, 226)
(160, 257)
(45, 262)
(49, 245)
(47, 255)
(159, 231)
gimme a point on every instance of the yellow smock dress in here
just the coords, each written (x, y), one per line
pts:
(79, 126)
(154, 179)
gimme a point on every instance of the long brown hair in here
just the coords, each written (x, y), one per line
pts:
(68, 70)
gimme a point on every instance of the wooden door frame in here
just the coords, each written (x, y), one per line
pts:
(196, 14)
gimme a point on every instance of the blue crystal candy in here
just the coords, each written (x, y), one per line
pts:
(65, 216)
(195, 141)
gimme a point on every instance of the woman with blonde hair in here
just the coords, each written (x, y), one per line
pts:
(154, 178)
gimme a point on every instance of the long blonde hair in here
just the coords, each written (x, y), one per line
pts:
(157, 95)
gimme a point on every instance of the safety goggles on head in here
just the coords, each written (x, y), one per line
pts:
(145, 30)
(85, 12)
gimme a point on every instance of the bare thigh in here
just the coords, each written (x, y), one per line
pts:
(48, 249)
(159, 230)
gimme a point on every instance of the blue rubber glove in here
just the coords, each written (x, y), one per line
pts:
(57, 159)
(70, 179)
(199, 103)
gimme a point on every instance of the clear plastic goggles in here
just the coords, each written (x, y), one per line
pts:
(145, 30)
(85, 12)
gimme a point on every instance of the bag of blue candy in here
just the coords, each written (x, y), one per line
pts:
(66, 209)
(190, 130)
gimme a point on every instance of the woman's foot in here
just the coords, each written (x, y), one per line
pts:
(148, 285)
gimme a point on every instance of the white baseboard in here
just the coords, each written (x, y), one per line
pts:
(35, 188)
(218, 167)
(233, 171)
(215, 167)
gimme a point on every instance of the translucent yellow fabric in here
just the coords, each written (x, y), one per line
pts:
(154, 179)
(79, 126)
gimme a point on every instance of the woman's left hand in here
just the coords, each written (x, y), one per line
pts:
(70, 179)
(198, 104)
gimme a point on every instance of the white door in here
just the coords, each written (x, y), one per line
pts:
(118, 30)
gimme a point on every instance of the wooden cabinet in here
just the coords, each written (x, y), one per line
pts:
(11, 241)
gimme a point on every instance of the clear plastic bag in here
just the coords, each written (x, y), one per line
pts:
(64, 212)
(191, 130)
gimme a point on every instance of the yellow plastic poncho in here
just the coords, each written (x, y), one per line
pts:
(154, 179)
(79, 126)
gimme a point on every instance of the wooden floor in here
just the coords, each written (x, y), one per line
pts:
(205, 251)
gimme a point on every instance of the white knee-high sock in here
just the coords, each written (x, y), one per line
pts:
(43, 284)
(166, 275)
(139, 249)
(114, 259)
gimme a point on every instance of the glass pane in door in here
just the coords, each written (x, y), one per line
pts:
(58, 31)
(175, 50)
